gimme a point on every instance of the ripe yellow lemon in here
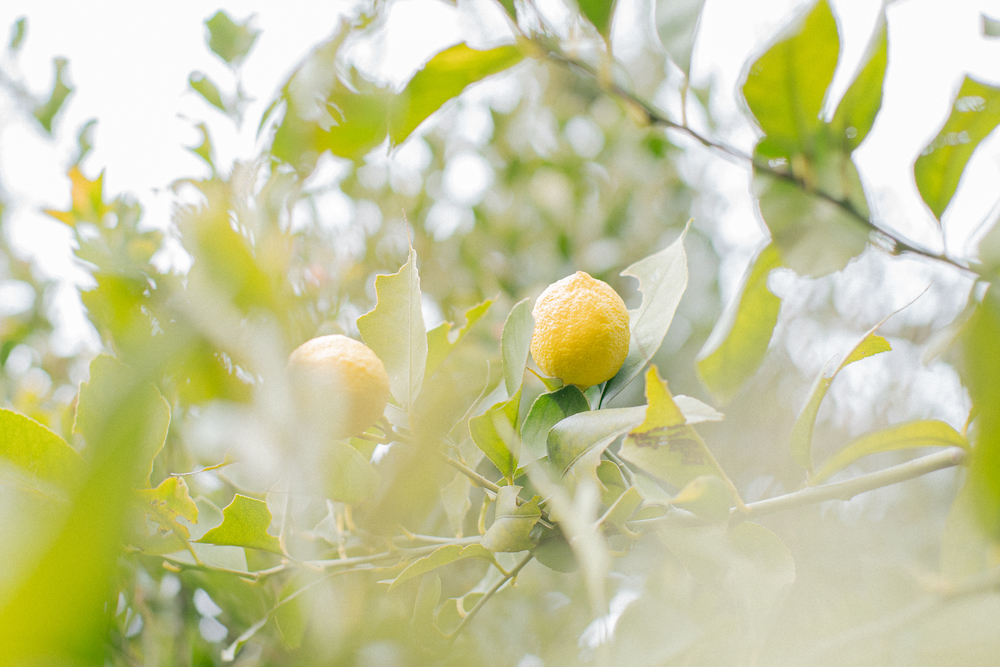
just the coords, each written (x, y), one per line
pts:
(342, 382)
(581, 331)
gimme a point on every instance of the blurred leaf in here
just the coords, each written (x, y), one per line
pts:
(446, 75)
(85, 140)
(975, 113)
(981, 353)
(244, 524)
(395, 330)
(439, 558)
(441, 340)
(786, 86)
(599, 13)
(585, 433)
(17, 34)
(695, 411)
(802, 431)
(455, 499)
(205, 149)
(761, 577)
(677, 24)
(205, 87)
(612, 482)
(508, 6)
(662, 278)
(547, 411)
(513, 523)
(664, 444)
(45, 113)
(230, 40)
(40, 453)
(705, 496)
(554, 552)
(87, 199)
(229, 653)
(967, 549)
(623, 508)
(427, 600)
(929, 433)
(741, 336)
(164, 505)
(349, 477)
(856, 112)
(991, 27)
(515, 343)
(495, 433)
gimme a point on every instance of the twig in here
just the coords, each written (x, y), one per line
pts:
(846, 490)
(486, 596)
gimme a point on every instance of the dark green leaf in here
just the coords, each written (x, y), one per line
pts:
(204, 86)
(547, 411)
(395, 330)
(46, 112)
(446, 75)
(515, 343)
(740, 338)
(230, 40)
(244, 524)
(599, 13)
(495, 433)
(513, 523)
(939, 168)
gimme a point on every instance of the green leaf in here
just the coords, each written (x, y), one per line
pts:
(662, 278)
(244, 524)
(37, 451)
(349, 477)
(739, 340)
(205, 87)
(967, 548)
(508, 6)
(513, 523)
(991, 27)
(495, 433)
(981, 359)
(705, 496)
(612, 481)
(676, 25)
(515, 343)
(205, 149)
(785, 87)
(856, 112)
(230, 40)
(554, 552)
(760, 577)
(455, 499)
(395, 330)
(165, 505)
(441, 557)
(427, 600)
(802, 431)
(17, 34)
(598, 12)
(664, 444)
(586, 434)
(547, 411)
(46, 112)
(623, 508)
(446, 75)
(975, 113)
(925, 433)
(441, 340)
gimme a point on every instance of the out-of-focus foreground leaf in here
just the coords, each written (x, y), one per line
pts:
(244, 524)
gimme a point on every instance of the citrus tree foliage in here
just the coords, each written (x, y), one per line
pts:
(167, 501)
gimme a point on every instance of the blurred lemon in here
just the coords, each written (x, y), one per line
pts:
(343, 382)
(581, 331)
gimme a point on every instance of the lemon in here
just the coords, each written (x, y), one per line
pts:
(342, 382)
(581, 331)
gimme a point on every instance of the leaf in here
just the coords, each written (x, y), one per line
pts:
(925, 433)
(244, 524)
(169, 502)
(623, 508)
(676, 25)
(445, 76)
(547, 411)
(662, 278)
(87, 200)
(513, 523)
(786, 86)
(17, 34)
(801, 437)
(455, 499)
(427, 600)
(205, 87)
(554, 552)
(737, 345)
(46, 112)
(395, 330)
(705, 496)
(991, 27)
(761, 577)
(508, 6)
(599, 13)
(441, 340)
(439, 558)
(205, 149)
(695, 411)
(967, 549)
(856, 112)
(515, 343)
(664, 444)
(975, 113)
(588, 433)
(613, 483)
(349, 477)
(40, 453)
(230, 40)
(981, 359)
(495, 433)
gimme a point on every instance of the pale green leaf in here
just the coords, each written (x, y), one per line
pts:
(441, 557)
(244, 524)
(428, 596)
(349, 477)
(46, 112)
(495, 433)
(695, 411)
(205, 87)
(548, 410)
(455, 499)
(37, 451)
(230, 40)
(442, 339)
(446, 75)
(676, 24)
(17, 34)
(169, 502)
(662, 278)
(623, 508)
(706, 496)
(512, 526)
(856, 112)
(740, 338)
(975, 113)
(515, 343)
(395, 331)
(588, 433)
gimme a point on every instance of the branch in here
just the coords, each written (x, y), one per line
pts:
(846, 490)
(656, 117)
(490, 593)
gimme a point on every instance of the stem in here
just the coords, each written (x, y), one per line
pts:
(846, 490)
(490, 593)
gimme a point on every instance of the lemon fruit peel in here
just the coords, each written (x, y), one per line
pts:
(342, 382)
(581, 331)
